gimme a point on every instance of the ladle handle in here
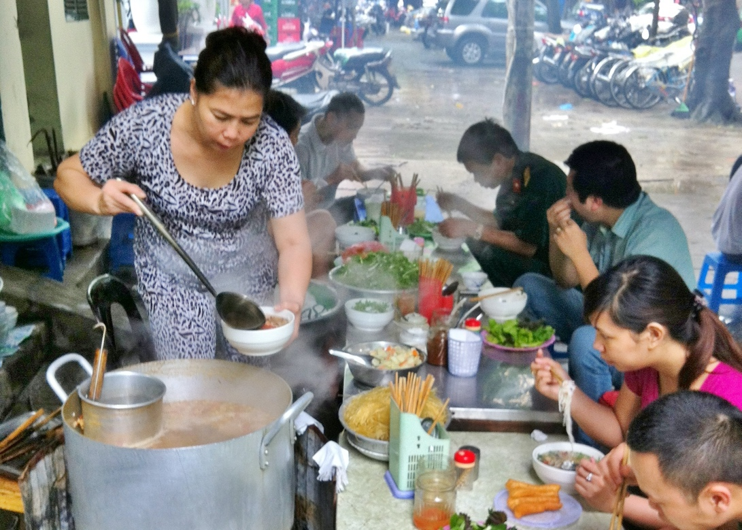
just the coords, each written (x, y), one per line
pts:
(149, 214)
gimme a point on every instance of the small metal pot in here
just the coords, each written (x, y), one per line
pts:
(129, 411)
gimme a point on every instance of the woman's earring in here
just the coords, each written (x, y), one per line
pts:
(193, 102)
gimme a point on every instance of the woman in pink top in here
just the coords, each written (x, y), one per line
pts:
(250, 15)
(652, 328)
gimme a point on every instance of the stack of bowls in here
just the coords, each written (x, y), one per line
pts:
(8, 319)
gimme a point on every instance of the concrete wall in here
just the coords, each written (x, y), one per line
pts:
(13, 86)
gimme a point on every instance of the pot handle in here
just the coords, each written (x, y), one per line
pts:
(51, 372)
(289, 415)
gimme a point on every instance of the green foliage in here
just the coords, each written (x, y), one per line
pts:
(379, 271)
(515, 334)
(495, 521)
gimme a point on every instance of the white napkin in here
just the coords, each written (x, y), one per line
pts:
(304, 420)
(333, 461)
(538, 436)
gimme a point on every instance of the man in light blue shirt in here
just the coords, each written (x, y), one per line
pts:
(620, 220)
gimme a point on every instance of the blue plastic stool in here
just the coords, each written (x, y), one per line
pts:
(719, 266)
(65, 237)
(45, 243)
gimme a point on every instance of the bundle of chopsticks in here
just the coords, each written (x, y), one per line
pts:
(617, 515)
(438, 270)
(28, 438)
(410, 393)
(393, 211)
(398, 183)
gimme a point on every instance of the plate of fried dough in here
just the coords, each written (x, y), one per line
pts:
(538, 506)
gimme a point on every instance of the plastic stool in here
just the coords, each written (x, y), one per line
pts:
(45, 243)
(64, 238)
(717, 264)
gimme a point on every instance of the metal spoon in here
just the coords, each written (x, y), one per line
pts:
(352, 358)
(236, 310)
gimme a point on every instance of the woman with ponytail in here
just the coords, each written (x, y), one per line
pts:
(652, 328)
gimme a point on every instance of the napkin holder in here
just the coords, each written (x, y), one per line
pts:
(408, 443)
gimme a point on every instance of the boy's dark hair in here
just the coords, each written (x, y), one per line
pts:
(233, 58)
(345, 103)
(604, 169)
(285, 110)
(696, 437)
(483, 140)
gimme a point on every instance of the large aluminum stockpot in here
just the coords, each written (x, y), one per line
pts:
(243, 483)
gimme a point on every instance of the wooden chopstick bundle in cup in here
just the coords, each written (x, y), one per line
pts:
(438, 270)
(617, 515)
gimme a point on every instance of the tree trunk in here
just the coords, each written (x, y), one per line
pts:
(516, 110)
(655, 19)
(168, 11)
(708, 98)
(555, 17)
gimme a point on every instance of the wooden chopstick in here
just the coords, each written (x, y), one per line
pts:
(439, 416)
(556, 376)
(617, 515)
(25, 425)
(501, 293)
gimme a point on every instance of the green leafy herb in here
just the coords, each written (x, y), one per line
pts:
(514, 334)
(379, 271)
(371, 306)
(421, 228)
(369, 223)
(495, 521)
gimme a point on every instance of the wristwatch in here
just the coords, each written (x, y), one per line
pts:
(479, 231)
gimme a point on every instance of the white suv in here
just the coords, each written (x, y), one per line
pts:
(471, 29)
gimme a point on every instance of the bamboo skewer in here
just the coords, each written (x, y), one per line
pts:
(617, 515)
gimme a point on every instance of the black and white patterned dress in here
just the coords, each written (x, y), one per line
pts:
(224, 230)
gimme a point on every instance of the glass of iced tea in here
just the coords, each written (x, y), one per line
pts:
(435, 493)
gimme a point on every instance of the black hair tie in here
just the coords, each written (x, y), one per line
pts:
(699, 302)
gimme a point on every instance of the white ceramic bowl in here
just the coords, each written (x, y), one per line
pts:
(503, 308)
(447, 243)
(553, 475)
(261, 341)
(348, 235)
(473, 280)
(368, 321)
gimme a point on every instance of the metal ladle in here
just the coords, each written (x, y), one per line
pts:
(352, 358)
(236, 310)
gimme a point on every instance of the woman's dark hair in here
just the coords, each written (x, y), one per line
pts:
(233, 58)
(644, 289)
(696, 437)
(285, 110)
(604, 169)
(483, 140)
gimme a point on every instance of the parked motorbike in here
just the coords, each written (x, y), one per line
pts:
(310, 66)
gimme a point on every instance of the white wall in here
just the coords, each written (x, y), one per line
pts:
(13, 87)
(74, 67)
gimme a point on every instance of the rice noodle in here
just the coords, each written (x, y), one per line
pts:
(566, 391)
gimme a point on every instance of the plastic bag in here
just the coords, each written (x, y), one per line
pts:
(24, 207)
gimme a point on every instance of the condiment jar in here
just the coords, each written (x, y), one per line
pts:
(472, 324)
(438, 339)
(465, 461)
(435, 494)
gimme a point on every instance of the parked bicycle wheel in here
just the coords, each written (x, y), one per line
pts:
(546, 68)
(582, 78)
(600, 81)
(640, 86)
(617, 75)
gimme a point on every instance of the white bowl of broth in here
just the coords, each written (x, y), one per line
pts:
(556, 462)
(270, 339)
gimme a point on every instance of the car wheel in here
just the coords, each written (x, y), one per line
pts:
(470, 51)
(451, 53)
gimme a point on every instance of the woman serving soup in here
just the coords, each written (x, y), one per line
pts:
(219, 174)
(652, 328)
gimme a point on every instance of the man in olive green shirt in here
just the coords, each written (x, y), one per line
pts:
(515, 239)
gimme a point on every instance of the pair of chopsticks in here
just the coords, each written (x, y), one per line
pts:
(617, 515)
(501, 293)
(16, 443)
(439, 416)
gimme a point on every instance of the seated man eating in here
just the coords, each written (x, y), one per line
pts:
(620, 220)
(515, 238)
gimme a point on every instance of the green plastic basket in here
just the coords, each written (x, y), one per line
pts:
(408, 443)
